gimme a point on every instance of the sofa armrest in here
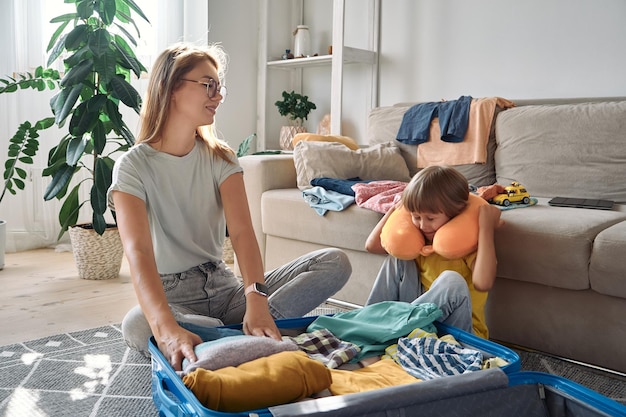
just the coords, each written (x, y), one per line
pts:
(262, 173)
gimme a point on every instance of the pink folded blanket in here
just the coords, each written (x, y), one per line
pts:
(379, 196)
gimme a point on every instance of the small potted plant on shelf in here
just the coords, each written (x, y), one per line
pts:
(95, 45)
(296, 107)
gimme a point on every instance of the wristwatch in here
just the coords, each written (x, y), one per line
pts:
(257, 288)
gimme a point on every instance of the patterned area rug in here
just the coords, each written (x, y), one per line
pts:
(92, 373)
(86, 373)
(606, 383)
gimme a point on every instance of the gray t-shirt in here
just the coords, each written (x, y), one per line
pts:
(182, 197)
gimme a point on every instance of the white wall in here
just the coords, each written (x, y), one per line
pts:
(432, 50)
(233, 23)
(515, 49)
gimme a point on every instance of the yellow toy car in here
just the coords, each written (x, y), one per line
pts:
(514, 193)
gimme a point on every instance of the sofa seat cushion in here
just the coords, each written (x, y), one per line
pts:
(287, 215)
(550, 245)
(574, 150)
(607, 271)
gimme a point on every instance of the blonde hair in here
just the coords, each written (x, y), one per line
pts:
(437, 189)
(168, 69)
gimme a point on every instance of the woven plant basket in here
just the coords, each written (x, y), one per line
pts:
(96, 257)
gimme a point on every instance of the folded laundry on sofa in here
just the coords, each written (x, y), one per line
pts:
(473, 149)
(453, 120)
(322, 200)
(337, 184)
(277, 379)
(378, 196)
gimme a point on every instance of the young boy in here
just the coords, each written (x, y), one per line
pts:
(458, 287)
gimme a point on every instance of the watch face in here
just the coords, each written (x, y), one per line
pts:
(262, 288)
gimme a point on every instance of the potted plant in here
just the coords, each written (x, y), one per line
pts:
(22, 147)
(297, 108)
(94, 43)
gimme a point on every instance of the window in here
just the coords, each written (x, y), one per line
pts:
(146, 44)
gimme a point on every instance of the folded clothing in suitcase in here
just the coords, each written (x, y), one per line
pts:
(173, 398)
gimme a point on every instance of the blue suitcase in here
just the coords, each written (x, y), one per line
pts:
(173, 398)
(489, 393)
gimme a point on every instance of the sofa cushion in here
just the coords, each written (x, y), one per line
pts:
(608, 263)
(312, 137)
(383, 126)
(334, 160)
(574, 150)
(550, 245)
(347, 229)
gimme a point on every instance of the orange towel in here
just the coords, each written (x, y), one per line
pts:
(473, 149)
(276, 379)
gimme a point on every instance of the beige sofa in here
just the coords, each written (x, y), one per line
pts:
(561, 285)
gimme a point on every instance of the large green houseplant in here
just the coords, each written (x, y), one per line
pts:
(95, 44)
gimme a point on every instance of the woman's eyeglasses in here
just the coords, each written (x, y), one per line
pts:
(212, 88)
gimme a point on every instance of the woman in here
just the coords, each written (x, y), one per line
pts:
(173, 194)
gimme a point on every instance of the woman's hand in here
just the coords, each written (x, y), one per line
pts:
(177, 345)
(258, 321)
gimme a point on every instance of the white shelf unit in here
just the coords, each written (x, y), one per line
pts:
(341, 55)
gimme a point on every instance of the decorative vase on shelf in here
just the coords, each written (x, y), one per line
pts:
(301, 42)
(286, 136)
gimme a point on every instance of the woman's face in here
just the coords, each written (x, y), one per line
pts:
(191, 100)
(429, 223)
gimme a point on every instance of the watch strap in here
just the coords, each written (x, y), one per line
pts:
(257, 288)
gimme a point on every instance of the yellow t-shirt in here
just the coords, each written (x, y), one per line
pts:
(430, 267)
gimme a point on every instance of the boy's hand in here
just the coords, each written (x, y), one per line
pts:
(489, 216)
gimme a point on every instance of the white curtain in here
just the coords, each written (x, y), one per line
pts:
(24, 34)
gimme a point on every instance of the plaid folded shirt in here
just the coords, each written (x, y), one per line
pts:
(325, 347)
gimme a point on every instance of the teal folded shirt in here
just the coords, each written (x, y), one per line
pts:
(376, 326)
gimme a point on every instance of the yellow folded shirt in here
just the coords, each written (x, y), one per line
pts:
(276, 379)
(381, 374)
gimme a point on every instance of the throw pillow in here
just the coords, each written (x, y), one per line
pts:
(334, 160)
(312, 137)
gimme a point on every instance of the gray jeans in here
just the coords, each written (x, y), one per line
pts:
(398, 280)
(210, 295)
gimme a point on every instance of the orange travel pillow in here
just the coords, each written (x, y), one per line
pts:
(453, 240)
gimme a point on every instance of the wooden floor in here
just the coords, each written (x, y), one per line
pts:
(42, 295)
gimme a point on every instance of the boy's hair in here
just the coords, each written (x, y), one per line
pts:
(437, 189)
